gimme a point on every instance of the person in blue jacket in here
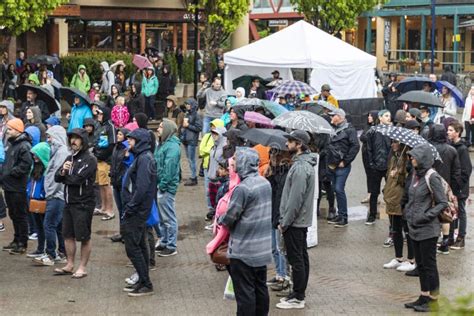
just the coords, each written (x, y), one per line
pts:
(79, 112)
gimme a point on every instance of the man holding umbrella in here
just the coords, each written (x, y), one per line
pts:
(32, 100)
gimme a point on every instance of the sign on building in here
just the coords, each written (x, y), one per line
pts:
(276, 23)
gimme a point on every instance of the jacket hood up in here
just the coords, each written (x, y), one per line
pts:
(58, 135)
(81, 67)
(34, 134)
(246, 162)
(82, 133)
(438, 134)
(424, 157)
(169, 129)
(43, 152)
(106, 111)
(105, 65)
(193, 103)
(10, 107)
(138, 88)
(34, 78)
(220, 131)
(217, 123)
(142, 120)
(89, 121)
(53, 120)
(308, 157)
(142, 140)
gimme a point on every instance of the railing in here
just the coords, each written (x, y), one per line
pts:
(410, 59)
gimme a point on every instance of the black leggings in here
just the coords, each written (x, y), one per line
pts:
(398, 225)
(327, 186)
(425, 256)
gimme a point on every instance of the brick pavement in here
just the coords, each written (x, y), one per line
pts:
(346, 273)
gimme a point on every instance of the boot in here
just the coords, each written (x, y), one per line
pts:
(191, 182)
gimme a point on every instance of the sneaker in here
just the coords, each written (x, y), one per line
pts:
(168, 252)
(335, 220)
(406, 266)
(210, 215)
(60, 258)
(393, 264)
(209, 227)
(158, 242)
(116, 238)
(366, 200)
(159, 248)
(413, 273)
(280, 286)
(274, 280)
(35, 254)
(430, 305)
(18, 250)
(152, 267)
(331, 217)
(293, 303)
(388, 242)
(141, 291)
(443, 249)
(421, 299)
(287, 298)
(458, 244)
(133, 279)
(191, 182)
(9, 247)
(341, 223)
(44, 261)
(2, 227)
(370, 220)
(33, 236)
(131, 288)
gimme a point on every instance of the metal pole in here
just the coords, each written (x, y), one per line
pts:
(196, 44)
(368, 36)
(456, 43)
(433, 27)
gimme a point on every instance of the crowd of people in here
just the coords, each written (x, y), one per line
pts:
(260, 199)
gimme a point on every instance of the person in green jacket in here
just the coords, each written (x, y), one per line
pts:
(33, 80)
(149, 89)
(81, 80)
(168, 169)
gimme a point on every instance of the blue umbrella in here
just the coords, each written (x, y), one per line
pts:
(274, 108)
(414, 83)
(457, 95)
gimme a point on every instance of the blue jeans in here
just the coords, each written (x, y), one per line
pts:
(278, 257)
(191, 155)
(118, 201)
(168, 220)
(52, 224)
(206, 189)
(206, 124)
(338, 178)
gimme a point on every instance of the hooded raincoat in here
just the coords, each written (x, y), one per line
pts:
(217, 153)
(167, 157)
(82, 83)
(59, 153)
(79, 113)
(108, 78)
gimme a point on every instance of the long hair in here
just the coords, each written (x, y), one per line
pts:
(38, 170)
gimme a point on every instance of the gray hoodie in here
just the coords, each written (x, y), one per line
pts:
(249, 214)
(297, 198)
(217, 153)
(218, 96)
(421, 215)
(59, 153)
(108, 78)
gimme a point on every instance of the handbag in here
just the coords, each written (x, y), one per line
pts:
(154, 217)
(219, 256)
(37, 206)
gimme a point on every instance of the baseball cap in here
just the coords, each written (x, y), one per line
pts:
(326, 87)
(275, 72)
(415, 112)
(300, 136)
(339, 112)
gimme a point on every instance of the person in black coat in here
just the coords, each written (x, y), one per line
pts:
(255, 90)
(449, 76)
(136, 101)
(378, 149)
(372, 120)
(78, 175)
(138, 194)
(192, 126)
(390, 95)
(142, 122)
(167, 84)
(32, 100)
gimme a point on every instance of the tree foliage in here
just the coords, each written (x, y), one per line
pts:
(221, 18)
(19, 16)
(335, 15)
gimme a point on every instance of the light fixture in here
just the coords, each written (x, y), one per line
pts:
(406, 17)
(373, 19)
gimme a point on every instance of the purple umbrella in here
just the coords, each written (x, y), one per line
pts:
(258, 118)
(457, 95)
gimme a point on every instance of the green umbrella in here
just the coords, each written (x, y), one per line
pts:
(246, 81)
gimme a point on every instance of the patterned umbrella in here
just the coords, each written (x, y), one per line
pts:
(250, 103)
(405, 136)
(457, 95)
(274, 108)
(258, 118)
(294, 87)
(305, 121)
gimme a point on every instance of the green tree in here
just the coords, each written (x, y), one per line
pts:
(19, 16)
(335, 15)
(221, 18)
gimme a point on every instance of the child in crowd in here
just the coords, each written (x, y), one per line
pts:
(120, 115)
(95, 91)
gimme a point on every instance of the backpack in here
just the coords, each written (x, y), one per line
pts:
(449, 214)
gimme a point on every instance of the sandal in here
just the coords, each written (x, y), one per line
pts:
(79, 275)
(61, 271)
(98, 212)
(108, 217)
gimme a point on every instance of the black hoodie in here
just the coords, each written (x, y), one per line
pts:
(136, 104)
(79, 180)
(17, 165)
(462, 191)
(139, 188)
(105, 143)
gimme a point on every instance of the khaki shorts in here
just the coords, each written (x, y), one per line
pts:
(103, 171)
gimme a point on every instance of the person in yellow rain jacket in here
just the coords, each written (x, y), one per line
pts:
(204, 153)
(326, 95)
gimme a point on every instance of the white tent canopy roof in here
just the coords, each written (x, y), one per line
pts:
(300, 45)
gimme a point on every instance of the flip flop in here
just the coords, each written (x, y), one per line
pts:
(108, 217)
(61, 271)
(79, 275)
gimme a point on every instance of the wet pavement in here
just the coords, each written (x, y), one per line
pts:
(346, 272)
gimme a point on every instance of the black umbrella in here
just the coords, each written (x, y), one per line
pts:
(246, 80)
(273, 138)
(405, 136)
(152, 51)
(414, 83)
(304, 121)
(42, 94)
(421, 97)
(68, 95)
(43, 60)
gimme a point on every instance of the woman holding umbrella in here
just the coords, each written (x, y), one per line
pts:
(449, 103)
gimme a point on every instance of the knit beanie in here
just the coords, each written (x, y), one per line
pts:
(16, 124)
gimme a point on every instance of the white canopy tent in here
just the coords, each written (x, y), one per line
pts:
(347, 69)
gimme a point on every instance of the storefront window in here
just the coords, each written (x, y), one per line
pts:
(76, 36)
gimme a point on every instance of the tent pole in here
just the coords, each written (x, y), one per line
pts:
(306, 75)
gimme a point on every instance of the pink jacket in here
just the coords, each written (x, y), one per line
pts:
(221, 233)
(120, 116)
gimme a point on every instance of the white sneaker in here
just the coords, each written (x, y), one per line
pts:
(209, 227)
(44, 261)
(392, 264)
(291, 304)
(406, 266)
(33, 236)
(133, 279)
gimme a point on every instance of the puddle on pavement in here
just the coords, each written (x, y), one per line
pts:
(191, 229)
(106, 233)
